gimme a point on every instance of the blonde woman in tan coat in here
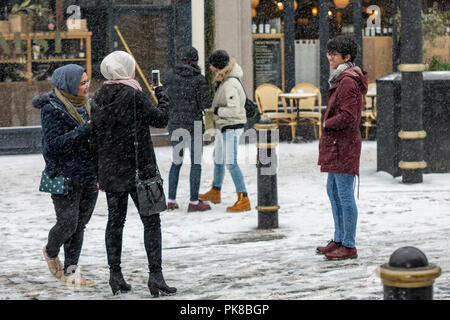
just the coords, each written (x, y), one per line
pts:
(229, 120)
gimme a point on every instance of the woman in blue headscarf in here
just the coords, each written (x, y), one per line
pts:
(65, 118)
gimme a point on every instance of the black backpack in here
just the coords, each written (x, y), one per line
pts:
(251, 108)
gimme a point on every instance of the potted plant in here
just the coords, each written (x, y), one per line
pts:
(25, 16)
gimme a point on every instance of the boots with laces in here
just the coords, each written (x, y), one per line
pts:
(200, 206)
(213, 195)
(242, 204)
(342, 253)
(331, 246)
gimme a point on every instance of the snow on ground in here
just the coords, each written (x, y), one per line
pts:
(221, 255)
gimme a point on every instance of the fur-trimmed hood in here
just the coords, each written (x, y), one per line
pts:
(40, 101)
(231, 70)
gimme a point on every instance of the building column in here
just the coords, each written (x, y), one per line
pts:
(198, 31)
(289, 44)
(183, 34)
(358, 27)
(394, 37)
(324, 35)
(233, 34)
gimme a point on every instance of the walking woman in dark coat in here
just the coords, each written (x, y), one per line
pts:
(340, 144)
(65, 113)
(189, 97)
(113, 135)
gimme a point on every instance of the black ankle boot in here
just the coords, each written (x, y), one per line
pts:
(156, 283)
(117, 282)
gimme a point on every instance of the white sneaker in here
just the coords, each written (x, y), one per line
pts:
(54, 264)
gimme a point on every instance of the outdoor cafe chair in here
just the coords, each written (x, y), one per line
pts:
(267, 99)
(369, 112)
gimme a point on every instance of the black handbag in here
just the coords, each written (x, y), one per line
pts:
(150, 192)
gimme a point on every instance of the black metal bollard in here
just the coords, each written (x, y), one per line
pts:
(412, 134)
(408, 275)
(266, 164)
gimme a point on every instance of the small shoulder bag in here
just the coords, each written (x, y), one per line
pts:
(56, 185)
(150, 192)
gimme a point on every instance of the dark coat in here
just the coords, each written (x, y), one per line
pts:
(113, 135)
(340, 143)
(189, 96)
(65, 144)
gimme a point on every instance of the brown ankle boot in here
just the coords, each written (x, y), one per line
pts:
(212, 195)
(242, 204)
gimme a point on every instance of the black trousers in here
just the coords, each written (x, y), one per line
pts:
(117, 211)
(73, 212)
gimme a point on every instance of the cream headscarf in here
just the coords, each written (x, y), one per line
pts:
(118, 65)
(118, 68)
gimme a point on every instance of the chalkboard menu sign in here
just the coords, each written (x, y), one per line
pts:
(268, 60)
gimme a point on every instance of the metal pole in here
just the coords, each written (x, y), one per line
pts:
(357, 27)
(412, 134)
(289, 44)
(267, 163)
(324, 35)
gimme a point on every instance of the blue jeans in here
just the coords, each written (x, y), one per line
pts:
(196, 150)
(345, 214)
(225, 154)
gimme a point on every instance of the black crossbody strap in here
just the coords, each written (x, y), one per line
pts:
(136, 144)
(241, 85)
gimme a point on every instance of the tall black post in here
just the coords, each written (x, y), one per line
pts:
(289, 44)
(358, 27)
(324, 35)
(412, 134)
(267, 165)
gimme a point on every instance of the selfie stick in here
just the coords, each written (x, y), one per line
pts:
(137, 65)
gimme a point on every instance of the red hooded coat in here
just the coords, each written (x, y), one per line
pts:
(340, 144)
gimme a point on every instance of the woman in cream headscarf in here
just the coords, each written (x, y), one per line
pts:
(113, 136)
(65, 114)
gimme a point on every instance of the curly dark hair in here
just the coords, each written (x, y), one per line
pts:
(343, 45)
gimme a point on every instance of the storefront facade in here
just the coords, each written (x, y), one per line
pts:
(154, 30)
(300, 25)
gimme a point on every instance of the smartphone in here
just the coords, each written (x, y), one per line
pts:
(155, 78)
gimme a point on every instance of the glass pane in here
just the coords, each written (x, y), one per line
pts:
(144, 2)
(147, 37)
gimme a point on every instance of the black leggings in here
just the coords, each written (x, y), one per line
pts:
(117, 209)
(73, 212)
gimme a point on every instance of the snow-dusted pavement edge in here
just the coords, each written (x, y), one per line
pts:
(220, 255)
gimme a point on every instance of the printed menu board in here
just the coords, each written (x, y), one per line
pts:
(268, 60)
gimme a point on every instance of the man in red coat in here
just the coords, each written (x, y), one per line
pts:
(340, 144)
